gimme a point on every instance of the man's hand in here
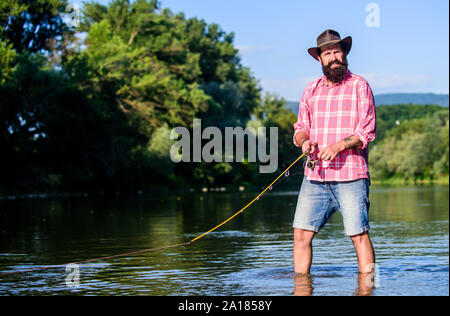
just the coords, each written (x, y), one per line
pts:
(330, 152)
(308, 148)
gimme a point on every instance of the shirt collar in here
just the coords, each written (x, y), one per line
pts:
(323, 80)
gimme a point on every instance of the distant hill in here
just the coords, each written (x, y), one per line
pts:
(414, 98)
(397, 98)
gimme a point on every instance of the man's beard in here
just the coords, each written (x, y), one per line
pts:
(336, 75)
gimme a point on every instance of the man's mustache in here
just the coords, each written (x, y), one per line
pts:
(337, 62)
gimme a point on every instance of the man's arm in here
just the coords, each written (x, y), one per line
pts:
(330, 152)
(350, 142)
(300, 137)
(303, 124)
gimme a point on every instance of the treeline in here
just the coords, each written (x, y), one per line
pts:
(95, 114)
(412, 143)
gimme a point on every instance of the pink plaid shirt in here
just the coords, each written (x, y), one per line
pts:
(328, 114)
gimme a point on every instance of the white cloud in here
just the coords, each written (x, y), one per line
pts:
(291, 90)
(246, 48)
(388, 82)
(252, 49)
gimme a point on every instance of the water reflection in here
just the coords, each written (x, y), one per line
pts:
(366, 284)
(303, 284)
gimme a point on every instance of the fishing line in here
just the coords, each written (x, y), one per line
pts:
(269, 187)
(256, 198)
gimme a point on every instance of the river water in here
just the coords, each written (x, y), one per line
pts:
(250, 255)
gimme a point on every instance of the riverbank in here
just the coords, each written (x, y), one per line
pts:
(402, 181)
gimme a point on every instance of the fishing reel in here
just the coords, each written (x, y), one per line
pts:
(311, 164)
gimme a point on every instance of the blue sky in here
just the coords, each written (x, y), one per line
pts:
(407, 52)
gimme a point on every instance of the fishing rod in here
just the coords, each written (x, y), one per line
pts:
(269, 187)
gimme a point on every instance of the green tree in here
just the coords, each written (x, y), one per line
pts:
(388, 116)
(415, 149)
(95, 116)
(29, 25)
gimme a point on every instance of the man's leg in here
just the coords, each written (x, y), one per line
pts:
(314, 207)
(364, 252)
(353, 200)
(302, 250)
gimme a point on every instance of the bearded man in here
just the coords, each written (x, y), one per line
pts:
(336, 123)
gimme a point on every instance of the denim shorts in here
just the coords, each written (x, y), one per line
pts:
(317, 201)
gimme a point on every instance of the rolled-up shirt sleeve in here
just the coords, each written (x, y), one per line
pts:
(303, 123)
(366, 127)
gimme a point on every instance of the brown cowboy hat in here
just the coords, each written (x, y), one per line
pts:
(328, 38)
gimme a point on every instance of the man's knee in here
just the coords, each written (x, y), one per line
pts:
(303, 237)
(360, 238)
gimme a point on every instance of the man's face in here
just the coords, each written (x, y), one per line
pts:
(334, 63)
(330, 54)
